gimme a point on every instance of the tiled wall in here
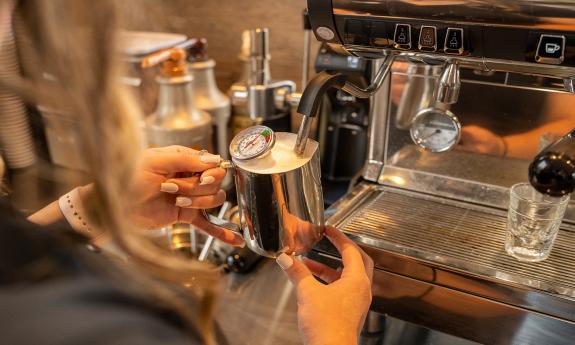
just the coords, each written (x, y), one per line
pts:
(221, 22)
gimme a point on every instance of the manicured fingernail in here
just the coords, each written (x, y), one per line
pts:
(169, 187)
(209, 158)
(183, 201)
(285, 261)
(207, 180)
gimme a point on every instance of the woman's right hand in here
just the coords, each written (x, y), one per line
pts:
(334, 313)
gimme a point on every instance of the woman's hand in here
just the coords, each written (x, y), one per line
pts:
(481, 140)
(161, 197)
(334, 313)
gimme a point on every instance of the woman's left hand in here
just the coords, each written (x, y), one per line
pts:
(162, 198)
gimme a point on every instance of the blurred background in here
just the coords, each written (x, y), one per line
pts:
(222, 23)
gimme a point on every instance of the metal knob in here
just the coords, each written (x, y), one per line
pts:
(449, 84)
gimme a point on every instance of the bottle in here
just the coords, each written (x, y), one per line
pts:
(207, 96)
(552, 172)
(176, 121)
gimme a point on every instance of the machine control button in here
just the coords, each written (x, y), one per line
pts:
(454, 41)
(325, 33)
(551, 49)
(428, 38)
(402, 36)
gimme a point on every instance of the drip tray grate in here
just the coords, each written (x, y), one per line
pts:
(452, 234)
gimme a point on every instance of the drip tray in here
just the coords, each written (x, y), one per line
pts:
(457, 235)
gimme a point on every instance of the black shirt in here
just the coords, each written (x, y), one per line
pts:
(49, 294)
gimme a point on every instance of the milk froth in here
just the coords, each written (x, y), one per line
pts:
(282, 157)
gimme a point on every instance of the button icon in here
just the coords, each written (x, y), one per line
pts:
(402, 36)
(551, 49)
(428, 38)
(454, 41)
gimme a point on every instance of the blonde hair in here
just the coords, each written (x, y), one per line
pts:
(74, 42)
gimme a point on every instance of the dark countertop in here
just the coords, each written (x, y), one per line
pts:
(259, 308)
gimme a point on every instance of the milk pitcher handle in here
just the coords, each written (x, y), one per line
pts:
(221, 223)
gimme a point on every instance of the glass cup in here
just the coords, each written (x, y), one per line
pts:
(533, 222)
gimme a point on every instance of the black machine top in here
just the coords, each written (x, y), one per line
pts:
(538, 32)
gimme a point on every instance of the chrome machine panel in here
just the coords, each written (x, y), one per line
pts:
(435, 223)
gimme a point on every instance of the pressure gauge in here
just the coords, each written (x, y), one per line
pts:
(252, 142)
(435, 130)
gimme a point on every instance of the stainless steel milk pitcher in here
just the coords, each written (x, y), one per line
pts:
(280, 199)
(281, 212)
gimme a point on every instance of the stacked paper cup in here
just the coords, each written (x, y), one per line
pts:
(16, 140)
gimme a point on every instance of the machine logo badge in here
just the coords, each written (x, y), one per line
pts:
(325, 33)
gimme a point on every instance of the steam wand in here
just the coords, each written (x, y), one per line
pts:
(316, 88)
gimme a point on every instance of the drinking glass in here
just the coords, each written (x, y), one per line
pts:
(533, 222)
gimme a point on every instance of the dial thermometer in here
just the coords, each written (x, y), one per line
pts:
(436, 130)
(252, 142)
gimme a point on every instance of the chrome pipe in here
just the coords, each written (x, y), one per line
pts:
(303, 134)
(378, 79)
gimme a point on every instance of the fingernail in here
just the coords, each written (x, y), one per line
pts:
(207, 180)
(209, 158)
(285, 261)
(183, 201)
(169, 187)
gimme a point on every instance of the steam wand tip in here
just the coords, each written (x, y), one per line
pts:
(302, 135)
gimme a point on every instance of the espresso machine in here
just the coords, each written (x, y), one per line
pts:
(463, 97)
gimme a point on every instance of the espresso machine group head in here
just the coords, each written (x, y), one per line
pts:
(521, 37)
(467, 99)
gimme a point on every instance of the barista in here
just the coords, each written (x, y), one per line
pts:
(529, 117)
(53, 290)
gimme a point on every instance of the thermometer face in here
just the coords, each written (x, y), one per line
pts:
(436, 130)
(252, 142)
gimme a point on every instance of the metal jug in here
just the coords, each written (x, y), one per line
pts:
(279, 193)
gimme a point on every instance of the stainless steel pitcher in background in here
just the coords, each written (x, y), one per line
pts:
(280, 212)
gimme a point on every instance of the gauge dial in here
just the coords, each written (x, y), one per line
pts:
(252, 142)
(436, 130)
